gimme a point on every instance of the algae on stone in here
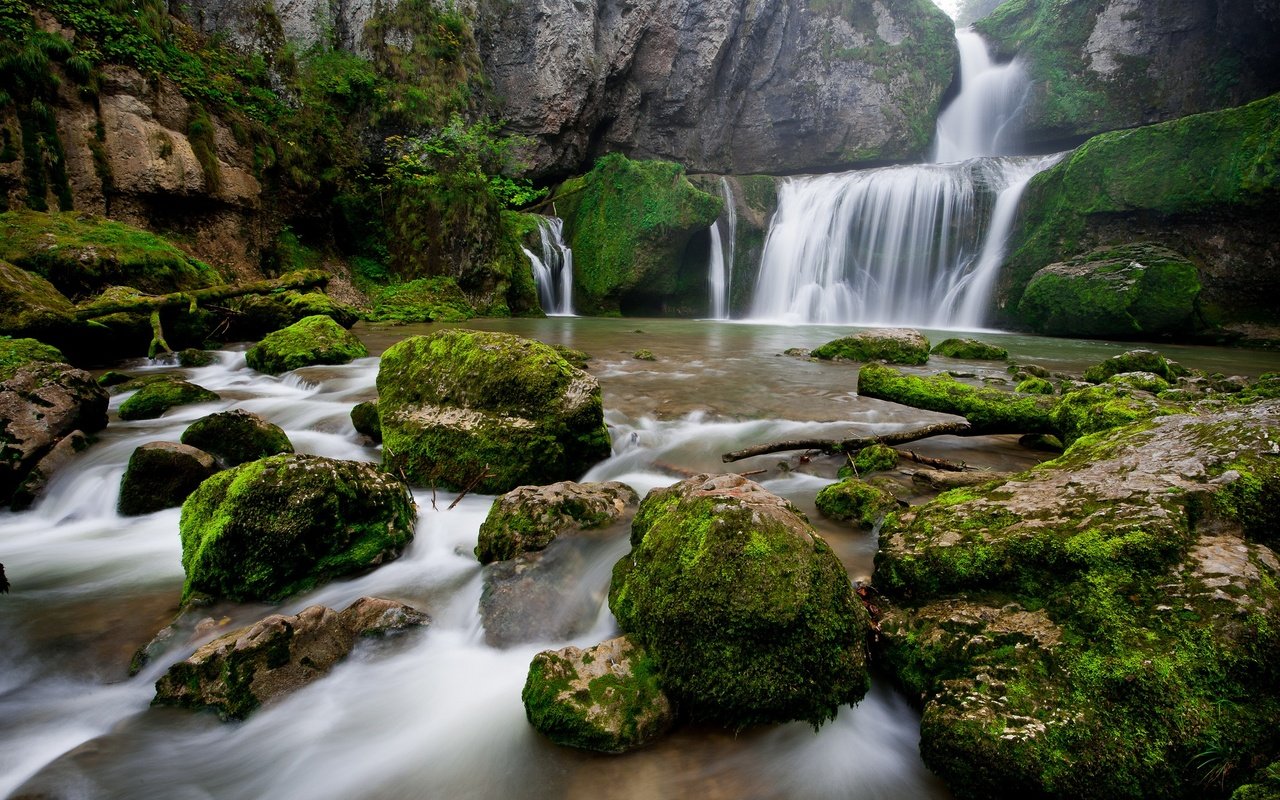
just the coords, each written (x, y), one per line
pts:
(529, 518)
(158, 396)
(894, 345)
(312, 340)
(852, 499)
(969, 350)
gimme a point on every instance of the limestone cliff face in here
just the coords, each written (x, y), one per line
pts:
(1113, 64)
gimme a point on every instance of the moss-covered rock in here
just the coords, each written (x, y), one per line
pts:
(158, 396)
(1101, 408)
(458, 404)
(987, 410)
(628, 223)
(1034, 385)
(241, 671)
(530, 517)
(313, 340)
(606, 698)
(1135, 361)
(748, 614)
(876, 458)
(1127, 291)
(81, 254)
(237, 436)
(31, 307)
(423, 300)
(852, 499)
(970, 350)
(1140, 381)
(644, 355)
(1264, 786)
(364, 418)
(271, 528)
(193, 357)
(893, 345)
(162, 475)
(1080, 629)
(17, 353)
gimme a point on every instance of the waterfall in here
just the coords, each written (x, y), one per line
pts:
(918, 244)
(720, 263)
(553, 271)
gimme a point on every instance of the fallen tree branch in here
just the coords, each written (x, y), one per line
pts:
(935, 463)
(304, 279)
(157, 336)
(484, 473)
(854, 444)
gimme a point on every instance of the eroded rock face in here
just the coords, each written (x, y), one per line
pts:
(1095, 610)
(748, 614)
(605, 698)
(245, 669)
(40, 405)
(530, 517)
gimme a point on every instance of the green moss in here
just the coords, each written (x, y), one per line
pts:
(313, 340)
(1135, 361)
(644, 355)
(236, 436)
(271, 528)
(1100, 408)
(364, 418)
(989, 410)
(876, 458)
(1141, 381)
(876, 346)
(851, 499)
(1034, 385)
(970, 350)
(16, 353)
(740, 637)
(628, 223)
(423, 300)
(80, 255)
(155, 398)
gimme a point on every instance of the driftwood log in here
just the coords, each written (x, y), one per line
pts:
(147, 304)
(853, 445)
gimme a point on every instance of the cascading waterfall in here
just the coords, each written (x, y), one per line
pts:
(720, 264)
(919, 244)
(553, 271)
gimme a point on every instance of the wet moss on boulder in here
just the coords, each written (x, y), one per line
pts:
(30, 307)
(364, 418)
(237, 436)
(17, 353)
(987, 410)
(158, 396)
(876, 458)
(529, 518)
(606, 698)
(458, 405)
(311, 341)
(969, 350)
(1128, 291)
(854, 500)
(275, 527)
(892, 345)
(747, 613)
(1135, 361)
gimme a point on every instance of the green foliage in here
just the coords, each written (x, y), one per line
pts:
(201, 134)
(309, 341)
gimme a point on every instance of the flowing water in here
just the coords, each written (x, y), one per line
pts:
(553, 270)
(720, 260)
(437, 713)
(907, 245)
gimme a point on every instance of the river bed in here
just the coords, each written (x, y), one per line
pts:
(437, 713)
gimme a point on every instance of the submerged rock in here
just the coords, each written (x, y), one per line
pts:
(747, 613)
(893, 345)
(530, 517)
(237, 436)
(606, 698)
(1071, 631)
(312, 340)
(271, 528)
(162, 475)
(240, 671)
(487, 410)
(161, 394)
(543, 596)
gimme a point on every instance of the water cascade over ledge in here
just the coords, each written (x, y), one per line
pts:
(907, 245)
(720, 264)
(553, 270)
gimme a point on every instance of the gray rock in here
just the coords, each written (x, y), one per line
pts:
(543, 596)
(162, 475)
(37, 479)
(529, 517)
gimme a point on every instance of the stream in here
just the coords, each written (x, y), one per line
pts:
(437, 713)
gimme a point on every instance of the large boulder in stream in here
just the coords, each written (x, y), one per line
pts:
(749, 616)
(893, 345)
(529, 518)
(607, 698)
(158, 394)
(162, 475)
(271, 528)
(237, 436)
(312, 340)
(1103, 625)
(489, 411)
(43, 404)
(250, 667)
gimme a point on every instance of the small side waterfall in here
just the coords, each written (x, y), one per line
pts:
(720, 263)
(553, 271)
(915, 245)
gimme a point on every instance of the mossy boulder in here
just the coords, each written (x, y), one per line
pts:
(1034, 385)
(437, 299)
(852, 499)
(237, 436)
(1135, 361)
(606, 698)
(1128, 291)
(644, 355)
(1264, 786)
(529, 518)
(987, 410)
(747, 613)
(158, 396)
(31, 307)
(629, 223)
(364, 418)
(893, 345)
(271, 528)
(969, 350)
(1076, 630)
(1140, 381)
(241, 671)
(876, 458)
(310, 341)
(1099, 408)
(193, 357)
(81, 254)
(162, 475)
(458, 405)
(17, 353)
